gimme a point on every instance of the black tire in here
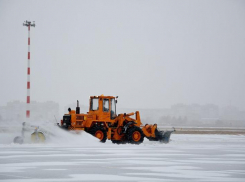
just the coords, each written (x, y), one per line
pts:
(118, 142)
(135, 135)
(18, 140)
(99, 131)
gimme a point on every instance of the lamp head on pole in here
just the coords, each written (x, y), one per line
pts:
(28, 23)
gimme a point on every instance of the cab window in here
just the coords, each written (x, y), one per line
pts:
(106, 105)
(94, 105)
(113, 109)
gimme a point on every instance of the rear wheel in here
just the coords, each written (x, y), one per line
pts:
(100, 133)
(135, 135)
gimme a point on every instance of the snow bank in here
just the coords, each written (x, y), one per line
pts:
(56, 135)
(53, 134)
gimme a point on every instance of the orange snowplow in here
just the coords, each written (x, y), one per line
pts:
(102, 122)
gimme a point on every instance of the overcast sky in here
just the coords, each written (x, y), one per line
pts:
(152, 54)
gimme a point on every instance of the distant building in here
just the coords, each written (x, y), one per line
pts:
(15, 112)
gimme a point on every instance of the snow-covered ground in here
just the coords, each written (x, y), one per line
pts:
(70, 157)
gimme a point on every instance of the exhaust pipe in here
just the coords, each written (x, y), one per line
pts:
(77, 108)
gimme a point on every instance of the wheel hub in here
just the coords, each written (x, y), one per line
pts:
(136, 136)
(99, 135)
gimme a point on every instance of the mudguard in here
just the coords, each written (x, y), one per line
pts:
(125, 128)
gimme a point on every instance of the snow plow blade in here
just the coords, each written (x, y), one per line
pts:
(163, 136)
(153, 134)
(38, 137)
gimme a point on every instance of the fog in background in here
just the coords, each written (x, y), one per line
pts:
(152, 54)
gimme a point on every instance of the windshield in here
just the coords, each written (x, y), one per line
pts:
(94, 104)
(113, 109)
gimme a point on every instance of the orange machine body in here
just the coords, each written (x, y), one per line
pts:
(102, 121)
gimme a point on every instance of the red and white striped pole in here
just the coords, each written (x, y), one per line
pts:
(28, 99)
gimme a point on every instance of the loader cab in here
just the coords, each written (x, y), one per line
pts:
(104, 107)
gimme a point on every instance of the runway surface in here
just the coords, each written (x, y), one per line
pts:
(83, 158)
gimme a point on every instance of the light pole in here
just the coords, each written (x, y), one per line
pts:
(29, 25)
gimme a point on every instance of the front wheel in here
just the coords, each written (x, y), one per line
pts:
(135, 135)
(99, 133)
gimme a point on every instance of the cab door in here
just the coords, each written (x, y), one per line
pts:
(106, 109)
